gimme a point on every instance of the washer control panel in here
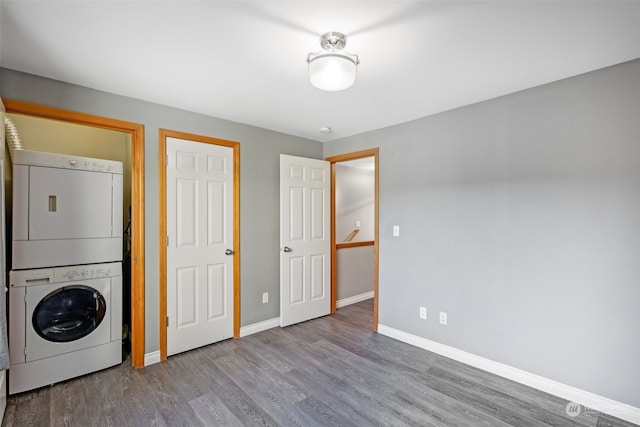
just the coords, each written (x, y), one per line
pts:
(71, 273)
(85, 272)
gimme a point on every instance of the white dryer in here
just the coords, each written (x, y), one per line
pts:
(67, 210)
(63, 322)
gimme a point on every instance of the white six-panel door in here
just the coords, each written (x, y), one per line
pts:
(200, 244)
(305, 250)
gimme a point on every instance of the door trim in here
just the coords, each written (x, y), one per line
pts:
(136, 132)
(162, 183)
(373, 152)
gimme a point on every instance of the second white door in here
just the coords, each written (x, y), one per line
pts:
(305, 257)
(199, 244)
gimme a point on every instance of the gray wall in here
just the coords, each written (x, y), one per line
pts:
(259, 183)
(520, 217)
(355, 272)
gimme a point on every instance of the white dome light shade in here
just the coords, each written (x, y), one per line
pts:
(332, 69)
(332, 72)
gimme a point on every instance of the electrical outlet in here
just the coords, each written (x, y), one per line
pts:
(265, 297)
(423, 312)
(396, 231)
(357, 224)
(443, 318)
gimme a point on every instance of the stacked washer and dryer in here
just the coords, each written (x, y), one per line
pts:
(65, 286)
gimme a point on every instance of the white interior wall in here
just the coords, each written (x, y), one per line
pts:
(355, 198)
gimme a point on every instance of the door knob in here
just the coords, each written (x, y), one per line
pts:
(286, 249)
(228, 252)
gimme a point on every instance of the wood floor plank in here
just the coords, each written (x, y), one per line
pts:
(329, 371)
(502, 398)
(334, 396)
(267, 390)
(234, 398)
(323, 414)
(103, 386)
(266, 356)
(428, 404)
(139, 398)
(212, 411)
(32, 408)
(605, 420)
(324, 380)
(549, 402)
(365, 389)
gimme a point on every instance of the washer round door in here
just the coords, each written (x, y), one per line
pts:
(69, 313)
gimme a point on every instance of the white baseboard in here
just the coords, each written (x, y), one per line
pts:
(275, 322)
(151, 358)
(354, 299)
(259, 327)
(573, 394)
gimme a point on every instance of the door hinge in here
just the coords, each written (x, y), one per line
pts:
(167, 321)
(166, 163)
(167, 240)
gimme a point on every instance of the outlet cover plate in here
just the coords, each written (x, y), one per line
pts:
(443, 318)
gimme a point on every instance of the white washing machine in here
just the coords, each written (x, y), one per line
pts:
(63, 322)
(67, 210)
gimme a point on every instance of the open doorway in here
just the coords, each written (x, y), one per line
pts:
(131, 148)
(354, 224)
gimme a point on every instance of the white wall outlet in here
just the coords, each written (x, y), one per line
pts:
(265, 297)
(443, 318)
(396, 230)
(423, 312)
(357, 224)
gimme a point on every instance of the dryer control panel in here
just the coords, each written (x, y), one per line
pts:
(65, 161)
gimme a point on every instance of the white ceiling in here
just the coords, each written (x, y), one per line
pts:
(246, 60)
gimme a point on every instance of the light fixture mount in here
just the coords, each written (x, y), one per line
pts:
(333, 40)
(332, 69)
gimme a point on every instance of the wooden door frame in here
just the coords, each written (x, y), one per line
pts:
(136, 132)
(373, 152)
(162, 182)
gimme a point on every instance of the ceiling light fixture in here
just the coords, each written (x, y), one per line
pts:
(332, 69)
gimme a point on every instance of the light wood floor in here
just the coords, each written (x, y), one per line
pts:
(328, 371)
